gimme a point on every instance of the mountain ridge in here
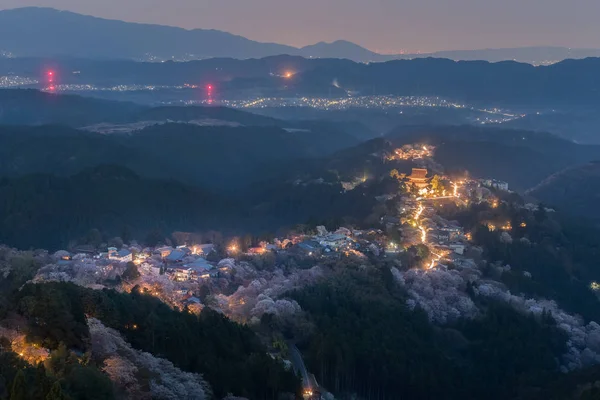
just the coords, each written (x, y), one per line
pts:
(103, 38)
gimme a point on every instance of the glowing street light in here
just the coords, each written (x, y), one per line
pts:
(423, 234)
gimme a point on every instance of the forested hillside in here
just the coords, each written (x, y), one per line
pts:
(575, 191)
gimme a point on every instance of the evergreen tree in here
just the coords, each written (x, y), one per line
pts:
(56, 393)
(42, 383)
(19, 388)
(131, 272)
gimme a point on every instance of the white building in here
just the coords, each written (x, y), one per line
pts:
(147, 268)
(457, 248)
(123, 255)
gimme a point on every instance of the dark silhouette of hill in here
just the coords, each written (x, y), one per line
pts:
(571, 82)
(342, 49)
(32, 107)
(215, 156)
(531, 55)
(575, 190)
(49, 32)
(578, 124)
(44, 32)
(48, 211)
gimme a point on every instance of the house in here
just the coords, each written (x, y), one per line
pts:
(203, 249)
(123, 255)
(193, 304)
(334, 240)
(442, 236)
(185, 249)
(457, 248)
(175, 256)
(181, 274)
(62, 255)
(200, 264)
(309, 247)
(454, 232)
(149, 269)
(85, 248)
(195, 270)
(193, 300)
(163, 251)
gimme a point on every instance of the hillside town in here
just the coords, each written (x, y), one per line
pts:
(246, 280)
(175, 273)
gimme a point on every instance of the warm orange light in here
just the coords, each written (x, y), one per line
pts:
(423, 235)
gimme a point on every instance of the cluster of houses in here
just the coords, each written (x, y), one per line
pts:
(342, 241)
(180, 263)
(412, 152)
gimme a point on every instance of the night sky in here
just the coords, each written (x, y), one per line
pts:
(380, 25)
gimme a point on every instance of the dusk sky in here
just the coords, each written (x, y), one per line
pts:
(380, 25)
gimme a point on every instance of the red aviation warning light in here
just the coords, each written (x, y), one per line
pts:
(50, 75)
(209, 93)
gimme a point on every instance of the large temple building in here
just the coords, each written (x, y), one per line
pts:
(418, 177)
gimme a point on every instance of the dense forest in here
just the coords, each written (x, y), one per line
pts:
(47, 211)
(367, 342)
(559, 251)
(574, 191)
(222, 157)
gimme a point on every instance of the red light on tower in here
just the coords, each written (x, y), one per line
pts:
(209, 89)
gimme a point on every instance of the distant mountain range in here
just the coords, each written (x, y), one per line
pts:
(569, 83)
(46, 32)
